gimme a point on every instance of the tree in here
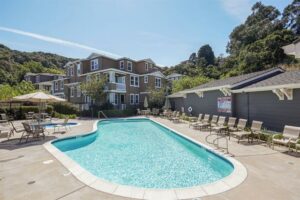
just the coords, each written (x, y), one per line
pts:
(256, 44)
(291, 17)
(193, 57)
(156, 97)
(206, 53)
(94, 88)
(7, 91)
(187, 83)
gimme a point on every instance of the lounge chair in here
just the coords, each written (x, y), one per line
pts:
(255, 129)
(174, 115)
(34, 131)
(198, 120)
(220, 125)
(231, 123)
(17, 129)
(241, 125)
(64, 125)
(178, 117)
(214, 120)
(139, 111)
(202, 123)
(209, 123)
(290, 136)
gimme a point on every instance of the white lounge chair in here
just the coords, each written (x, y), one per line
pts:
(290, 136)
(255, 129)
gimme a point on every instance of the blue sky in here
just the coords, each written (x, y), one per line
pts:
(167, 31)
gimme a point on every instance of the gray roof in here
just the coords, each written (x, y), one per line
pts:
(233, 80)
(285, 78)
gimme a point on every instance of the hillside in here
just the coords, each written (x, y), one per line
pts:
(15, 64)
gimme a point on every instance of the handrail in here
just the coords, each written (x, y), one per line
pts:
(101, 112)
(215, 142)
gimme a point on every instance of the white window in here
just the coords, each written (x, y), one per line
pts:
(94, 64)
(55, 85)
(78, 92)
(71, 71)
(121, 64)
(129, 65)
(145, 79)
(78, 69)
(146, 66)
(157, 82)
(137, 99)
(134, 81)
(132, 99)
(61, 84)
(72, 91)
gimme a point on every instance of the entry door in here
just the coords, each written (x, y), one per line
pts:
(122, 98)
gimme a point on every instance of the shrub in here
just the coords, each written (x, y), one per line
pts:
(63, 116)
(65, 108)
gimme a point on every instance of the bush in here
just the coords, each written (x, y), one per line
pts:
(63, 116)
(65, 108)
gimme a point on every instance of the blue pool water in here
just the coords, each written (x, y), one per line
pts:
(54, 124)
(142, 153)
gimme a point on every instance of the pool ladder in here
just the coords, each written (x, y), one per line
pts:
(101, 112)
(215, 142)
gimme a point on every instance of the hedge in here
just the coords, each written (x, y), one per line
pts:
(110, 113)
(19, 112)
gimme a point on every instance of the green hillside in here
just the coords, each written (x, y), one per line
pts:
(15, 64)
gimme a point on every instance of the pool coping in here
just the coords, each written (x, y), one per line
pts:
(238, 175)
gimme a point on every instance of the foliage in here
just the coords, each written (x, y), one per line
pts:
(206, 53)
(63, 116)
(7, 91)
(95, 87)
(156, 97)
(188, 82)
(253, 46)
(65, 108)
(291, 17)
(15, 64)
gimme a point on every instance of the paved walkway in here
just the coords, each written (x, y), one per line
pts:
(28, 171)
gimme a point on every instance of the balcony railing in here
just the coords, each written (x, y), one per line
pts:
(116, 86)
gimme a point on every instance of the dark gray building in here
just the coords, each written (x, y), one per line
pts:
(272, 96)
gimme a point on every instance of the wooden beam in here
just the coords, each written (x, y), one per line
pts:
(287, 92)
(279, 94)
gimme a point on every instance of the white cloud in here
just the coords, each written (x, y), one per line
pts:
(237, 8)
(58, 41)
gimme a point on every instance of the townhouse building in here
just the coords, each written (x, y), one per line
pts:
(128, 81)
(53, 83)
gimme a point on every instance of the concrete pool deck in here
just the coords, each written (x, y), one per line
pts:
(28, 171)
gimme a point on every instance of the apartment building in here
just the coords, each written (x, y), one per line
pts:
(53, 83)
(128, 81)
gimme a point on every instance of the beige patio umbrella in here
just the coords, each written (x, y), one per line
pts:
(38, 97)
(146, 102)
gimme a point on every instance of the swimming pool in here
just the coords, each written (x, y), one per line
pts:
(143, 155)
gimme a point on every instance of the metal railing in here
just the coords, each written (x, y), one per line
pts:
(215, 141)
(101, 112)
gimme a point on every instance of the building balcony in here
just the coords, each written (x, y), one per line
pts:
(116, 87)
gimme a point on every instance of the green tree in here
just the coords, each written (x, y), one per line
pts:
(24, 87)
(206, 53)
(94, 88)
(291, 17)
(157, 97)
(188, 82)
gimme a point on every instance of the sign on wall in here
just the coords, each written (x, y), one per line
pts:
(224, 104)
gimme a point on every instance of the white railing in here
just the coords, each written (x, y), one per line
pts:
(120, 86)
